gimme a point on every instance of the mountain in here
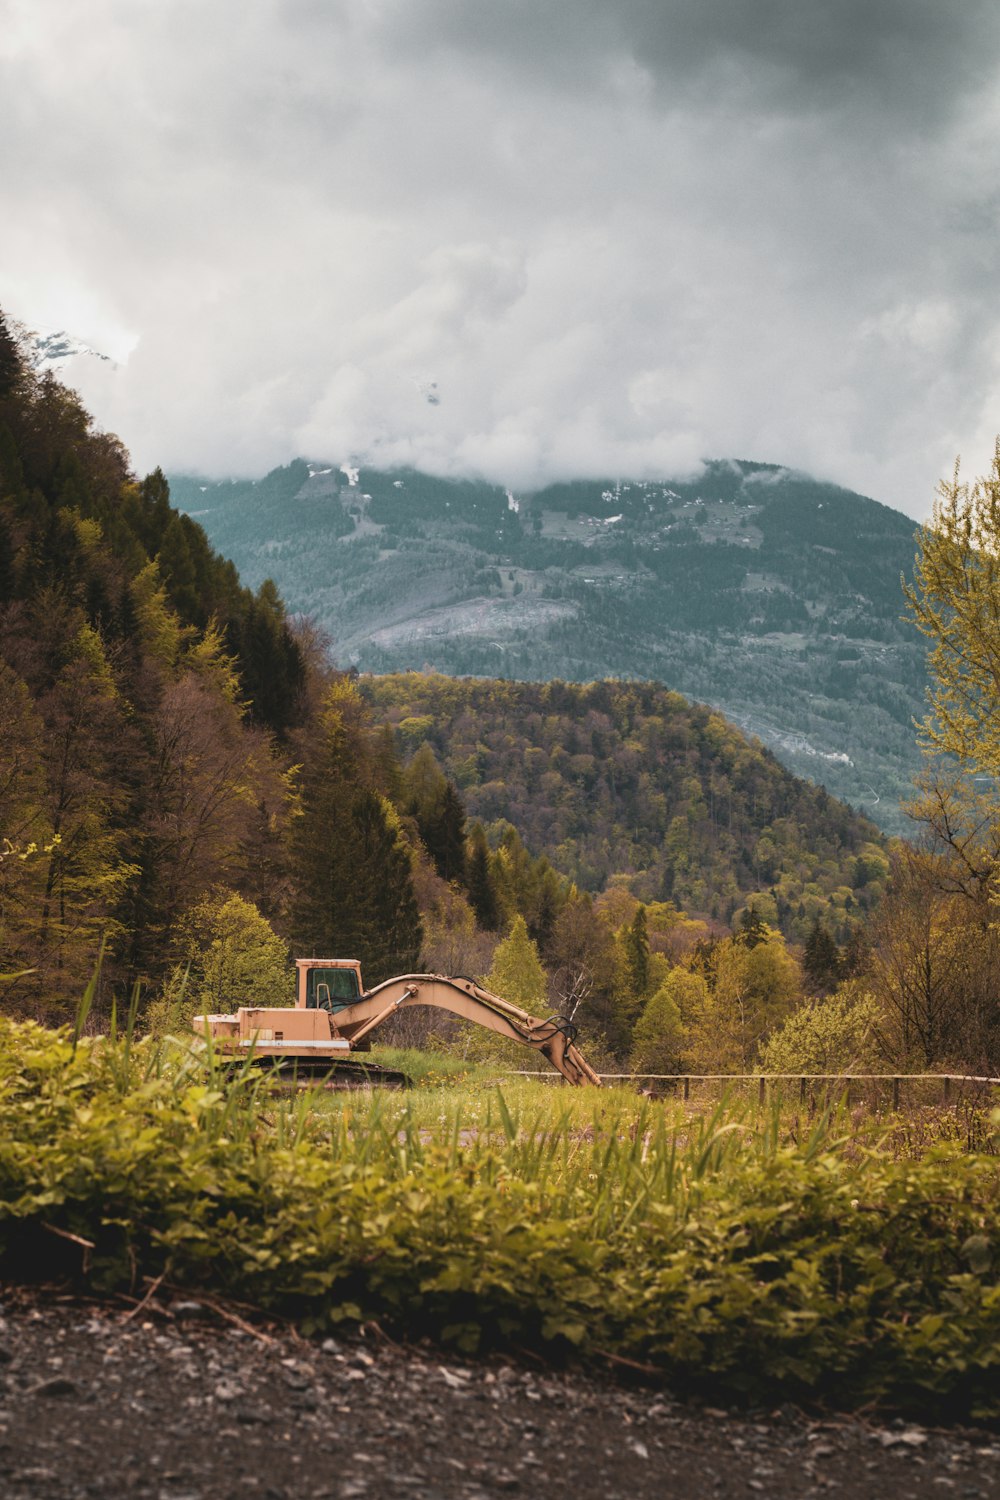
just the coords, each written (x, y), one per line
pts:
(627, 782)
(771, 596)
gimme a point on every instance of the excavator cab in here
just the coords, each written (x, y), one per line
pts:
(328, 984)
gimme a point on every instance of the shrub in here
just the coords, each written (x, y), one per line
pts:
(835, 1035)
(231, 957)
(720, 1253)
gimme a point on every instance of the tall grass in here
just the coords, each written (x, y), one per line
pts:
(731, 1250)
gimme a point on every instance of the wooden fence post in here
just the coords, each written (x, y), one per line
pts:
(762, 1090)
(895, 1094)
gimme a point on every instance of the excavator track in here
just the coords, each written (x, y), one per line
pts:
(343, 1075)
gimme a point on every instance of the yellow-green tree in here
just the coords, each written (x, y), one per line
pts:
(753, 990)
(239, 958)
(955, 601)
(838, 1034)
(516, 973)
(935, 964)
(660, 1032)
(230, 956)
(64, 899)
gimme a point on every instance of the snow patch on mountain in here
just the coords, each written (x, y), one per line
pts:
(51, 351)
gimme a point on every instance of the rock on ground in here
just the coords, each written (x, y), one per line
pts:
(173, 1403)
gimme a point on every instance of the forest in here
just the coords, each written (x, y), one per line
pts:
(629, 784)
(191, 793)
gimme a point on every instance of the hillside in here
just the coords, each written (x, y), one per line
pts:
(161, 731)
(768, 595)
(628, 779)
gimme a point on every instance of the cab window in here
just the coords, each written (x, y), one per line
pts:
(331, 989)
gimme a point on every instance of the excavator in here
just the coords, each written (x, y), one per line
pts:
(334, 1016)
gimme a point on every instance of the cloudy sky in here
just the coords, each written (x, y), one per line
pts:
(524, 239)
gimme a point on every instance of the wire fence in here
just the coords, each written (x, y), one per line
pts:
(908, 1088)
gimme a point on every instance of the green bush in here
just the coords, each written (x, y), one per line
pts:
(231, 956)
(717, 1251)
(837, 1034)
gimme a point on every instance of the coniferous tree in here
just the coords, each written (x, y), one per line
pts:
(516, 973)
(658, 1035)
(387, 920)
(11, 364)
(7, 567)
(482, 894)
(821, 960)
(87, 745)
(635, 946)
(549, 899)
(445, 835)
(752, 929)
(434, 803)
(352, 877)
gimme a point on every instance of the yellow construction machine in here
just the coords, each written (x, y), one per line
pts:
(334, 1016)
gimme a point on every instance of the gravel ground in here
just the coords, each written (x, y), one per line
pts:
(177, 1403)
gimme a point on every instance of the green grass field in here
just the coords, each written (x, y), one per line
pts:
(742, 1251)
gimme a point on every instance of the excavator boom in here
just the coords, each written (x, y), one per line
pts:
(553, 1037)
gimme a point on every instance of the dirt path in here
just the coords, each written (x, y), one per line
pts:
(186, 1407)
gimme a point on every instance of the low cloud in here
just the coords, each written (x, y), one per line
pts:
(605, 239)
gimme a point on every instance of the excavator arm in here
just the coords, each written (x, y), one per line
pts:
(553, 1037)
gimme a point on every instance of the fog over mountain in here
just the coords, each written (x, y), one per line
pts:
(519, 242)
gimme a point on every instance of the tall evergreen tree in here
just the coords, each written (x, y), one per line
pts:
(482, 893)
(445, 834)
(516, 973)
(752, 929)
(635, 947)
(821, 960)
(433, 801)
(387, 917)
(352, 878)
(7, 569)
(11, 364)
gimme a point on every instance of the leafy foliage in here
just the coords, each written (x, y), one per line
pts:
(752, 989)
(231, 956)
(516, 972)
(836, 1035)
(953, 601)
(658, 1037)
(722, 1252)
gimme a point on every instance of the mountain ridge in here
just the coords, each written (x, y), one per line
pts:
(773, 597)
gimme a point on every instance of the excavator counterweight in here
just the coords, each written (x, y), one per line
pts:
(334, 1015)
